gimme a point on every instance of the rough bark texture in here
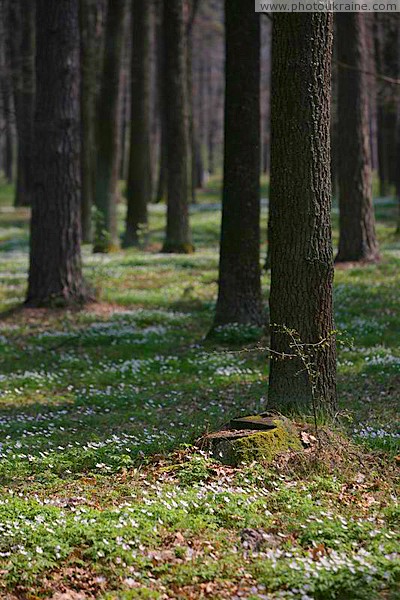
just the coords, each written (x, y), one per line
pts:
(239, 292)
(55, 275)
(178, 237)
(300, 204)
(89, 64)
(106, 235)
(139, 175)
(22, 47)
(357, 240)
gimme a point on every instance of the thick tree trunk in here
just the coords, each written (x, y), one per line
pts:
(239, 292)
(357, 240)
(107, 134)
(55, 274)
(139, 176)
(300, 226)
(178, 238)
(89, 63)
(22, 46)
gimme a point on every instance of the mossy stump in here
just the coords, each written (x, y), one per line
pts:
(234, 446)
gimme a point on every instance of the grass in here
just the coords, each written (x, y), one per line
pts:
(103, 494)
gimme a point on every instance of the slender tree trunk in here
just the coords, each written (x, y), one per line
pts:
(357, 241)
(22, 46)
(201, 121)
(6, 95)
(139, 176)
(239, 292)
(8, 160)
(384, 47)
(210, 122)
(106, 234)
(89, 62)
(178, 238)
(55, 274)
(300, 227)
(160, 67)
(190, 112)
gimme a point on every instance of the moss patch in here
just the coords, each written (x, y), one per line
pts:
(246, 446)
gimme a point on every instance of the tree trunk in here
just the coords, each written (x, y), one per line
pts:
(190, 113)
(357, 240)
(160, 67)
(55, 274)
(210, 122)
(89, 62)
(386, 63)
(239, 292)
(178, 238)
(6, 96)
(300, 205)
(106, 234)
(139, 176)
(22, 47)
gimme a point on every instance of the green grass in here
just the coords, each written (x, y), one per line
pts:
(102, 491)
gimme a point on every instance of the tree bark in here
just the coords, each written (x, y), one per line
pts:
(6, 96)
(22, 50)
(239, 292)
(162, 154)
(300, 205)
(89, 62)
(55, 273)
(106, 234)
(139, 176)
(178, 238)
(357, 238)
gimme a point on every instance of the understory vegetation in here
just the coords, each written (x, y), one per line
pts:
(104, 493)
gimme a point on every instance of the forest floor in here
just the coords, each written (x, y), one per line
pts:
(103, 494)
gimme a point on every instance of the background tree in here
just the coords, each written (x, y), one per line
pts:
(386, 64)
(89, 25)
(139, 175)
(300, 205)
(178, 238)
(239, 291)
(55, 274)
(357, 238)
(107, 134)
(22, 51)
(6, 104)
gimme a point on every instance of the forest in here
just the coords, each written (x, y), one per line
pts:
(199, 301)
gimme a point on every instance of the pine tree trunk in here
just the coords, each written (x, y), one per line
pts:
(6, 96)
(107, 134)
(55, 274)
(357, 241)
(239, 292)
(300, 204)
(178, 238)
(89, 62)
(160, 66)
(22, 46)
(190, 113)
(139, 176)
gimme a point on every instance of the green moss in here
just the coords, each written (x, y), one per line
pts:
(261, 446)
